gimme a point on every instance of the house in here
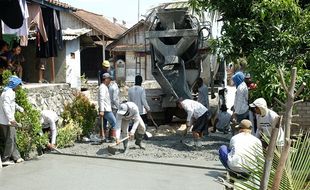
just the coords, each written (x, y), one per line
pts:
(131, 53)
(93, 44)
(84, 37)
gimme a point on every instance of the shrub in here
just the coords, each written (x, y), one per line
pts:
(28, 137)
(82, 112)
(68, 134)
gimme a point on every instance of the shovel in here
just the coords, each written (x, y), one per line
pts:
(151, 117)
(112, 150)
(56, 150)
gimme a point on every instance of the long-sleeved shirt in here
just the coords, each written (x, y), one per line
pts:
(48, 120)
(104, 100)
(193, 109)
(8, 107)
(114, 95)
(133, 115)
(244, 148)
(203, 95)
(241, 99)
(137, 95)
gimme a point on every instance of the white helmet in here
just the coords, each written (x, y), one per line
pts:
(123, 109)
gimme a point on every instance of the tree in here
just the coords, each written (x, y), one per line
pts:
(270, 34)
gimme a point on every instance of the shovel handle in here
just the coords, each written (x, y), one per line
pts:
(101, 127)
(151, 117)
(117, 143)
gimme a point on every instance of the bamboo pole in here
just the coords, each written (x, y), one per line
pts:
(269, 156)
(281, 165)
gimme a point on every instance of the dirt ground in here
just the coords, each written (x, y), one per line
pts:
(164, 146)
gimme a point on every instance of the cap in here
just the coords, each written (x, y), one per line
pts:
(260, 102)
(244, 124)
(106, 63)
(106, 75)
(123, 108)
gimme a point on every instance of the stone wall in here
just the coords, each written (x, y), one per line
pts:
(50, 96)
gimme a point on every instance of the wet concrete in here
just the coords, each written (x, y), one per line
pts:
(51, 172)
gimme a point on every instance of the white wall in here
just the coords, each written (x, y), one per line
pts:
(73, 64)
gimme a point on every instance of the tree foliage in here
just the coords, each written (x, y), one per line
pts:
(270, 34)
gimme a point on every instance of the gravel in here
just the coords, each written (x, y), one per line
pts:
(164, 146)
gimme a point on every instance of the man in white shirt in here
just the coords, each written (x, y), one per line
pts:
(197, 115)
(8, 124)
(243, 151)
(266, 120)
(137, 95)
(114, 96)
(105, 109)
(241, 108)
(49, 119)
(127, 112)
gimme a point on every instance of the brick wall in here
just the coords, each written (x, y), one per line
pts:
(303, 109)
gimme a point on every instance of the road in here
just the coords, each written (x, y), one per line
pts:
(51, 172)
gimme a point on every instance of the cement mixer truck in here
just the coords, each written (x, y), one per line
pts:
(180, 54)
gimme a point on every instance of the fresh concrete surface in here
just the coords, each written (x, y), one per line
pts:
(53, 172)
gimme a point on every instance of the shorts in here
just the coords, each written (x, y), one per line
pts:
(201, 123)
(42, 64)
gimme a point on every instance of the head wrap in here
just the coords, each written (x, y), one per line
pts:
(14, 81)
(238, 78)
(261, 104)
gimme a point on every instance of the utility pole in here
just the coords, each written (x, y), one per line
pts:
(138, 10)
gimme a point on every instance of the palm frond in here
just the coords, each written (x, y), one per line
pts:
(296, 171)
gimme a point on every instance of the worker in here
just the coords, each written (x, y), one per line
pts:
(105, 68)
(105, 109)
(266, 120)
(49, 120)
(203, 93)
(198, 112)
(137, 95)
(222, 122)
(114, 95)
(240, 108)
(249, 83)
(127, 112)
(8, 124)
(244, 150)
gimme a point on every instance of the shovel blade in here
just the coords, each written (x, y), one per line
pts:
(111, 150)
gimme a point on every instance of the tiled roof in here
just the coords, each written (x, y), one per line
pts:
(100, 23)
(54, 4)
(58, 3)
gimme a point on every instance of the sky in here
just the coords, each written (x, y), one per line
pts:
(122, 10)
